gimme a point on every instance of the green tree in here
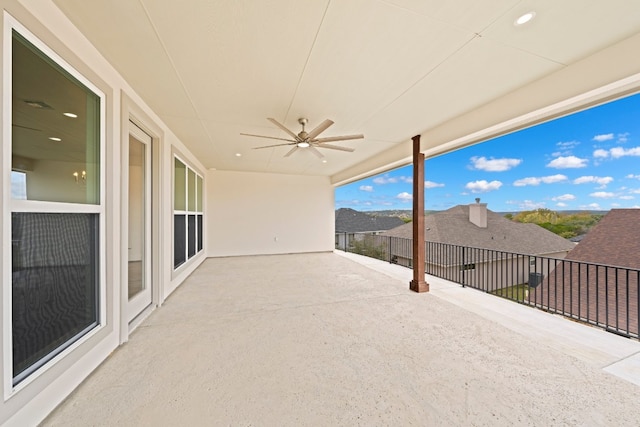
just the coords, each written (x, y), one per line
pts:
(367, 247)
(564, 225)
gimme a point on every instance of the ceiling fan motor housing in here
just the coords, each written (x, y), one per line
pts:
(307, 140)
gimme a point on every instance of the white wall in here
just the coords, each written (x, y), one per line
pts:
(53, 181)
(257, 213)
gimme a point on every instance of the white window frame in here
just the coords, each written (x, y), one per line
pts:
(11, 205)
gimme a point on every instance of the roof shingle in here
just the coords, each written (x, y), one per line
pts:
(453, 226)
(352, 221)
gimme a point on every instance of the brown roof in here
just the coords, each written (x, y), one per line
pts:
(453, 226)
(615, 240)
(583, 286)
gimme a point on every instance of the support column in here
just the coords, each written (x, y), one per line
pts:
(418, 284)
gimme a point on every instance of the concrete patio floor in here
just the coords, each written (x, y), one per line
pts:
(337, 339)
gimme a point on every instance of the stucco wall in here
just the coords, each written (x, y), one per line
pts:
(257, 213)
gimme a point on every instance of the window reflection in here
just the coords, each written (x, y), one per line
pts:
(55, 129)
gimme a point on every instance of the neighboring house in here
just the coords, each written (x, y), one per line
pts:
(503, 246)
(352, 225)
(608, 290)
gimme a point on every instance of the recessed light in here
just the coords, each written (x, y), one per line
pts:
(524, 18)
(73, 116)
(56, 139)
(238, 154)
(324, 160)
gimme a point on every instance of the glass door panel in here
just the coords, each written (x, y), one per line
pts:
(139, 236)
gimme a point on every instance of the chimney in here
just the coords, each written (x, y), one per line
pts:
(478, 213)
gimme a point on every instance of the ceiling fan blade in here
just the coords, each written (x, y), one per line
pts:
(337, 138)
(267, 137)
(281, 126)
(335, 147)
(25, 127)
(319, 129)
(271, 146)
(290, 152)
(315, 151)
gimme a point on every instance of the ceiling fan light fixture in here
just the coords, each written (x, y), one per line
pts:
(303, 144)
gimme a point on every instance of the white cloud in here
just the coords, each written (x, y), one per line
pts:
(405, 197)
(540, 180)
(494, 165)
(431, 184)
(527, 181)
(564, 197)
(603, 137)
(386, 179)
(602, 194)
(631, 176)
(615, 205)
(561, 205)
(567, 145)
(600, 154)
(366, 188)
(554, 178)
(635, 191)
(618, 152)
(626, 197)
(601, 180)
(591, 206)
(567, 162)
(623, 137)
(530, 205)
(483, 186)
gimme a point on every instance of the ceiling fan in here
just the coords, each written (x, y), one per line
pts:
(308, 140)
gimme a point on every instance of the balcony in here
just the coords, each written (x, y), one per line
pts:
(601, 295)
(338, 339)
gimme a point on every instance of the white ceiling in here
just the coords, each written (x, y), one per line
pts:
(389, 69)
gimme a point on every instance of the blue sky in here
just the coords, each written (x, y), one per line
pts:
(586, 161)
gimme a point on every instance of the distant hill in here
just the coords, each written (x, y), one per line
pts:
(400, 213)
(567, 212)
(408, 213)
(352, 221)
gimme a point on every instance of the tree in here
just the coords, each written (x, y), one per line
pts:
(367, 247)
(564, 225)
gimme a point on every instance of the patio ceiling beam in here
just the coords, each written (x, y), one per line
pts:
(418, 284)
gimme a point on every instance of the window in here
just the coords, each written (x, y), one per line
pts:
(187, 213)
(55, 219)
(18, 185)
(468, 267)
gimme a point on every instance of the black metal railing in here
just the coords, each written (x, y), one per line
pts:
(602, 295)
